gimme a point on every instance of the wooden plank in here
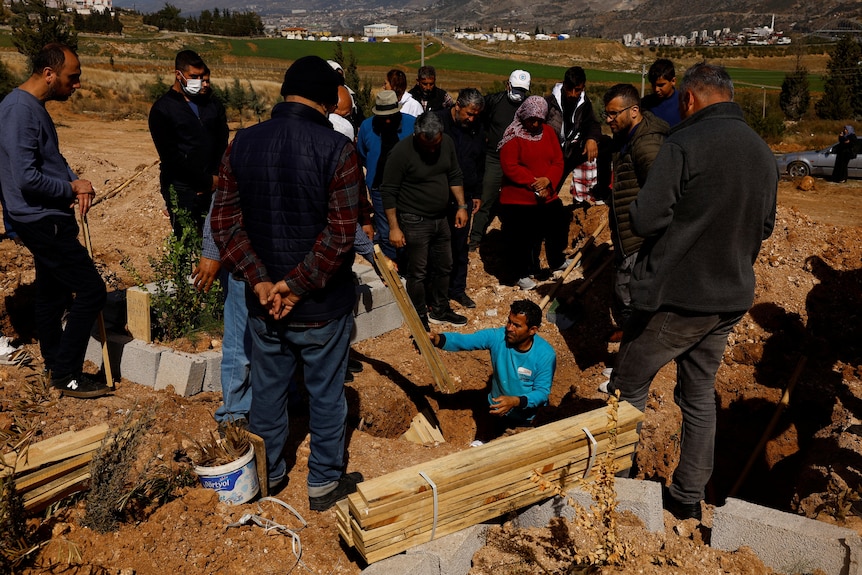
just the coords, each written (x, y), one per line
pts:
(260, 463)
(423, 432)
(451, 503)
(57, 448)
(30, 481)
(429, 353)
(56, 490)
(494, 457)
(401, 543)
(138, 314)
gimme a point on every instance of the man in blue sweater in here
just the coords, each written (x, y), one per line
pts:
(523, 366)
(40, 192)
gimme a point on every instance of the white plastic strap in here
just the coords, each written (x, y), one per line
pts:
(434, 495)
(593, 448)
(270, 525)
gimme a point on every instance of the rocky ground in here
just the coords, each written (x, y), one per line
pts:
(807, 305)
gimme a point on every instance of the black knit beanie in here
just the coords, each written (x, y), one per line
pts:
(311, 77)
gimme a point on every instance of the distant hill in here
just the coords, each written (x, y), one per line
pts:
(598, 18)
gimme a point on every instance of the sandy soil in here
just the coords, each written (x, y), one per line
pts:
(808, 301)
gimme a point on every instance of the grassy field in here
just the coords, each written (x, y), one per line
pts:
(372, 57)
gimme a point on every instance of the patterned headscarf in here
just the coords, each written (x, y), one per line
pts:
(533, 107)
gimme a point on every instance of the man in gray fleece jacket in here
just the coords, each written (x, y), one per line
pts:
(704, 210)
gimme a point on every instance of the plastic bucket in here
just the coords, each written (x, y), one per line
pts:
(236, 482)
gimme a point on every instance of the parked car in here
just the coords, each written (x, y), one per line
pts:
(816, 163)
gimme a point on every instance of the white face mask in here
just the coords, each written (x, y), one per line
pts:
(193, 86)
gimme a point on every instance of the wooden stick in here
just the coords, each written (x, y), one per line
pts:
(594, 274)
(782, 404)
(573, 264)
(106, 357)
(120, 188)
(428, 352)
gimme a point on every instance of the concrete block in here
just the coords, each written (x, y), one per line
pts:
(416, 564)
(139, 361)
(212, 375)
(377, 322)
(372, 295)
(184, 371)
(116, 343)
(785, 542)
(455, 551)
(641, 498)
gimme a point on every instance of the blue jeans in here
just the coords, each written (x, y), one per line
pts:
(277, 351)
(63, 268)
(429, 261)
(696, 342)
(381, 225)
(235, 353)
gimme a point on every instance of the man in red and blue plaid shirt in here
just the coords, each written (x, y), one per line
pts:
(284, 220)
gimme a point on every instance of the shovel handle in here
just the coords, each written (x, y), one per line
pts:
(573, 264)
(106, 358)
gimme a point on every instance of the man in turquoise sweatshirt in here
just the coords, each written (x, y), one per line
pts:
(523, 366)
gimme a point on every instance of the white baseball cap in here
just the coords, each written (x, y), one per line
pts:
(519, 79)
(337, 67)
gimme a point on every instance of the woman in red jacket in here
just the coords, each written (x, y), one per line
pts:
(530, 209)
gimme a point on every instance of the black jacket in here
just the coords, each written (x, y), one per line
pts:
(705, 208)
(470, 149)
(190, 147)
(575, 131)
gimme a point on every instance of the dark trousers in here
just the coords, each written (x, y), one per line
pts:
(460, 251)
(490, 197)
(63, 268)
(696, 342)
(429, 261)
(524, 229)
(195, 202)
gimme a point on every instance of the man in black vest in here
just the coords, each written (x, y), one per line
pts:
(284, 219)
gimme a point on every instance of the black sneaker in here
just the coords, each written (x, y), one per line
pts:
(346, 486)
(447, 316)
(79, 385)
(354, 365)
(348, 376)
(464, 300)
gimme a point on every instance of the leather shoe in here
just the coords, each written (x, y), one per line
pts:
(345, 486)
(464, 300)
(682, 511)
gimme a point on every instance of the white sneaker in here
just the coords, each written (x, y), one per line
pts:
(477, 443)
(607, 372)
(7, 351)
(526, 284)
(563, 266)
(603, 387)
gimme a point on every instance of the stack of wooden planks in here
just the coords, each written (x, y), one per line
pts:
(55, 468)
(395, 512)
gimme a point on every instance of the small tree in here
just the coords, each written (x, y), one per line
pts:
(841, 87)
(7, 80)
(34, 25)
(794, 98)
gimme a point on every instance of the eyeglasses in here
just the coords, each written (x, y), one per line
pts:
(613, 115)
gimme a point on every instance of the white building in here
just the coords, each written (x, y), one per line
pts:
(378, 30)
(84, 6)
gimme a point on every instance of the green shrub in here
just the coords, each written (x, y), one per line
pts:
(179, 310)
